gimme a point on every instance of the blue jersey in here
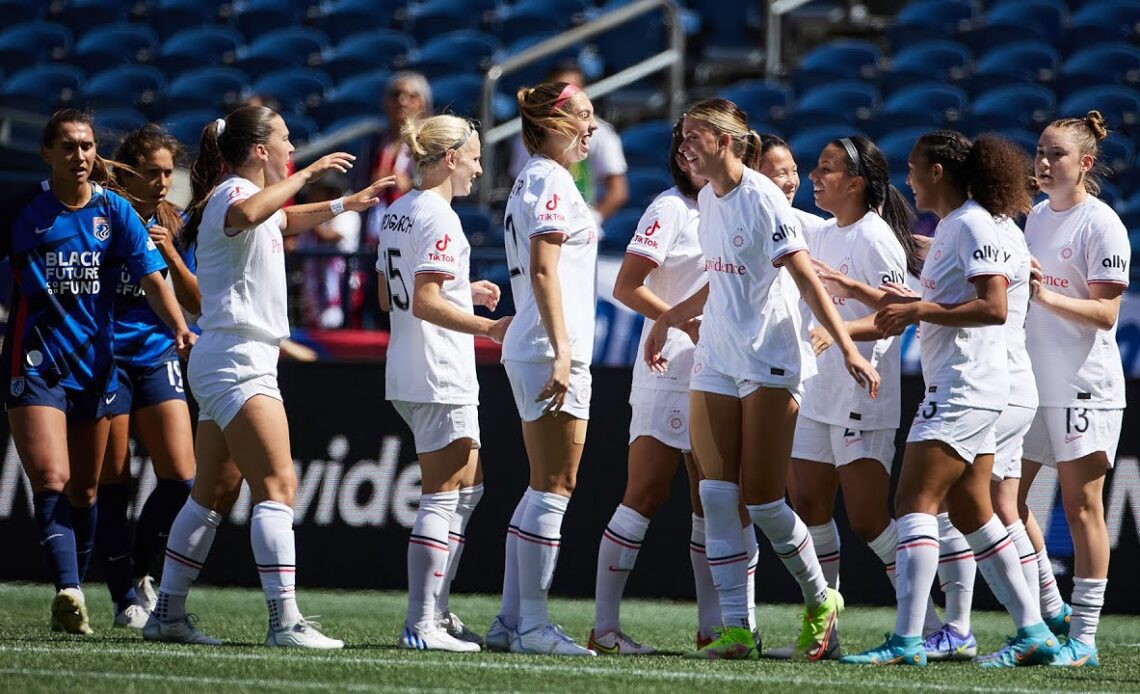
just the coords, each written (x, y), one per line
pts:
(141, 337)
(65, 264)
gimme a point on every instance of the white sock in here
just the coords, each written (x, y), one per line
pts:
(916, 563)
(956, 573)
(1027, 557)
(885, 547)
(275, 552)
(792, 543)
(617, 554)
(753, 549)
(726, 554)
(1088, 598)
(509, 609)
(540, 537)
(997, 560)
(187, 546)
(708, 603)
(1051, 601)
(826, 540)
(428, 555)
(456, 538)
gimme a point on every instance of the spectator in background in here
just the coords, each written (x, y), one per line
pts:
(601, 176)
(324, 272)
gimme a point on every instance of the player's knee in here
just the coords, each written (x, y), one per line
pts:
(647, 500)
(868, 526)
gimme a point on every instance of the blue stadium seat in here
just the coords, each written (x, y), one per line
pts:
(348, 121)
(928, 20)
(342, 18)
(929, 105)
(1117, 151)
(434, 17)
(359, 96)
(762, 101)
(1021, 62)
(841, 59)
(169, 17)
(113, 123)
(77, 15)
(1015, 106)
(208, 88)
(846, 101)
(288, 47)
(462, 95)
(536, 71)
(199, 46)
(526, 17)
(896, 146)
(42, 88)
(646, 184)
(256, 18)
(1028, 19)
(18, 11)
(647, 144)
(381, 49)
(1104, 21)
(186, 126)
(294, 88)
(933, 60)
(726, 23)
(26, 44)
(122, 86)
(1023, 138)
(619, 229)
(1119, 105)
(478, 225)
(1109, 63)
(457, 52)
(618, 51)
(114, 44)
(301, 127)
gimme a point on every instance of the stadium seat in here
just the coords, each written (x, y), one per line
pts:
(647, 144)
(934, 60)
(256, 18)
(362, 95)
(123, 86)
(1119, 105)
(26, 44)
(847, 101)
(301, 127)
(288, 47)
(896, 146)
(1015, 106)
(18, 11)
(169, 17)
(1021, 62)
(930, 105)
(1117, 152)
(113, 123)
(454, 53)
(114, 44)
(536, 71)
(294, 88)
(618, 51)
(434, 17)
(762, 101)
(1110, 63)
(1043, 20)
(725, 23)
(462, 95)
(208, 88)
(200, 46)
(842, 59)
(526, 17)
(478, 225)
(77, 15)
(343, 18)
(924, 21)
(380, 49)
(619, 229)
(186, 126)
(42, 88)
(1104, 21)
(1025, 139)
(646, 184)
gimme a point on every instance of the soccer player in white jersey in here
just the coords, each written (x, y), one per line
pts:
(238, 222)
(552, 249)
(843, 437)
(1082, 255)
(425, 266)
(950, 449)
(748, 368)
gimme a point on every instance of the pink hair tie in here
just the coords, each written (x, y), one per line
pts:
(567, 94)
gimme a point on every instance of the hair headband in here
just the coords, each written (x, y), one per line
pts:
(853, 154)
(568, 93)
(221, 123)
(457, 145)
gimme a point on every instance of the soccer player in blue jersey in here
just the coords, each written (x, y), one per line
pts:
(68, 246)
(151, 391)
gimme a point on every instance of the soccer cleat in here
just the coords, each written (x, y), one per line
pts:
(948, 644)
(814, 642)
(703, 640)
(455, 628)
(434, 640)
(1059, 623)
(69, 612)
(148, 598)
(1034, 645)
(896, 650)
(177, 631)
(732, 643)
(303, 634)
(830, 652)
(548, 639)
(500, 636)
(133, 616)
(617, 643)
(1076, 653)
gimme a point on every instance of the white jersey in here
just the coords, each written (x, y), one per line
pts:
(752, 327)
(241, 272)
(420, 233)
(810, 225)
(667, 235)
(963, 366)
(869, 252)
(1022, 387)
(544, 200)
(1076, 365)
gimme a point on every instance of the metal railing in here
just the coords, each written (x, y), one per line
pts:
(773, 62)
(671, 58)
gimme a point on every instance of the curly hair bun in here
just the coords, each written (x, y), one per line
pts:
(1094, 121)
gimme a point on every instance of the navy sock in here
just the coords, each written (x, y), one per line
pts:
(112, 536)
(163, 504)
(57, 538)
(83, 521)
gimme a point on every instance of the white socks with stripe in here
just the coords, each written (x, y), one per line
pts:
(1088, 599)
(826, 540)
(1027, 557)
(1051, 601)
(428, 557)
(539, 539)
(753, 550)
(617, 554)
(509, 609)
(957, 571)
(916, 564)
(708, 603)
(725, 551)
(997, 559)
(792, 543)
(456, 538)
(885, 547)
(187, 546)
(275, 552)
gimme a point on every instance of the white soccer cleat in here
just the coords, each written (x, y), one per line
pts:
(548, 640)
(148, 597)
(434, 640)
(455, 628)
(69, 612)
(500, 637)
(177, 631)
(131, 617)
(617, 643)
(303, 634)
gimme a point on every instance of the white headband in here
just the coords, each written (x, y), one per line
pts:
(221, 123)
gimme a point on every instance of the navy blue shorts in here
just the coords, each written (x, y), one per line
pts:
(143, 386)
(33, 389)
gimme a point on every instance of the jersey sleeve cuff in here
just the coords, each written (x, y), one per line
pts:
(428, 270)
(546, 232)
(778, 260)
(634, 251)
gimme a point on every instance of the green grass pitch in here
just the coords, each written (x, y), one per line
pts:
(34, 660)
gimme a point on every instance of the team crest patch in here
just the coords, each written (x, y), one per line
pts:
(16, 387)
(101, 228)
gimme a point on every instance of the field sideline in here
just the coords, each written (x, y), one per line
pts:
(34, 660)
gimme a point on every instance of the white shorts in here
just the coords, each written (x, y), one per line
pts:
(1060, 434)
(830, 443)
(1010, 432)
(226, 370)
(528, 378)
(968, 430)
(436, 425)
(708, 380)
(660, 414)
